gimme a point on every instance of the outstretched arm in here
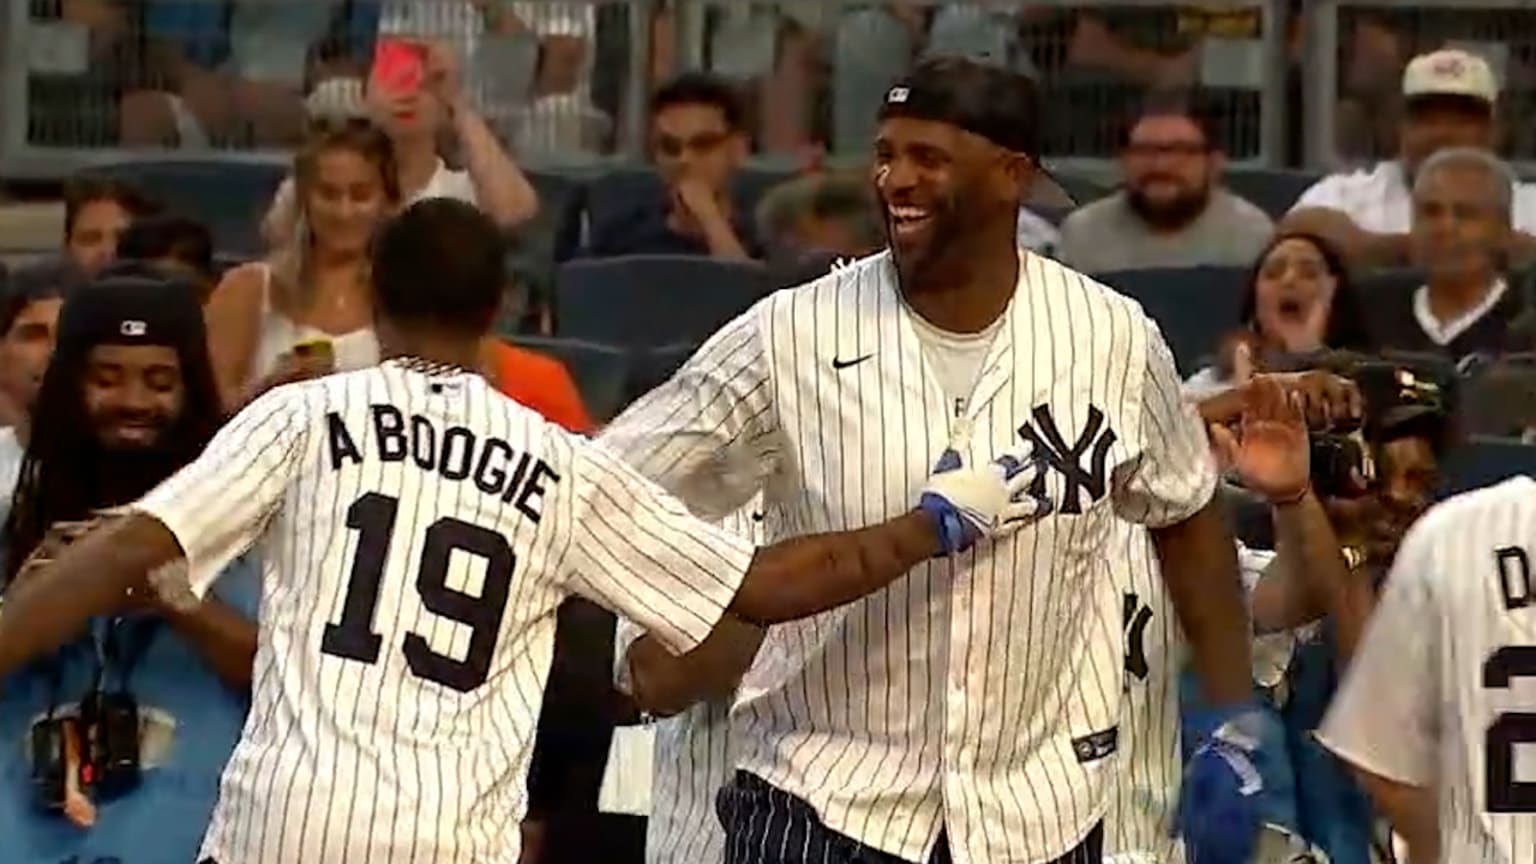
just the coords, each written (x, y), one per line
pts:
(91, 577)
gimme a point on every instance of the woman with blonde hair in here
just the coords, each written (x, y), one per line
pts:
(306, 310)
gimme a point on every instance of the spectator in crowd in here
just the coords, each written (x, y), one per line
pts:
(808, 222)
(1173, 210)
(29, 319)
(1299, 300)
(1460, 239)
(698, 145)
(1451, 100)
(227, 74)
(128, 399)
(178, 246)
(97, 210)
(416, 121)
(306, 309)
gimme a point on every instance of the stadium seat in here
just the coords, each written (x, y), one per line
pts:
(1485, 460)
(230, 198)
(601, 371)
(652, 367)
(643, 301)
(1270, 190)
(1195, 307)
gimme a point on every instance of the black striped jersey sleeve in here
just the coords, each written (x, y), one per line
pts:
(1384, 717)
(1173, 475)
(707, 435)
(637, 550)
(218, 505)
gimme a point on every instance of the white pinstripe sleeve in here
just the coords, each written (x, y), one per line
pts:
(638, 551)
(1384, 716)
(1174, 475)
(707, 435)
(217, 506)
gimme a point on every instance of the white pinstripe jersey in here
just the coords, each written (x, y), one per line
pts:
(977, 694)
(1145, 792)
(418, 532)
(1442, 691)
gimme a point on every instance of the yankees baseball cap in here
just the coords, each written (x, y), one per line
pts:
(985, 99)
(1450, 72)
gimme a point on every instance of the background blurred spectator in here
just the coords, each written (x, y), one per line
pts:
(1462, 203)
(29, 319)
(265, 316)
(96, 212)
(120, 409)
(1451, 97)
(817, 218)
(1299, 300)
(1173, 210)
(698, 144)
(181, 247)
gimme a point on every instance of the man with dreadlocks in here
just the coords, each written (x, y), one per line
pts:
(128, 398)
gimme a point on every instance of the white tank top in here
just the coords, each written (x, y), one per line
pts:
(357, 349)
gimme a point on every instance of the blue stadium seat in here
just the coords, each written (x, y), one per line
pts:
(1195, 307)
(653, 366)
(642, 301)
(601, 372)
(1482, 461)
(1273, 191)
(229, 197)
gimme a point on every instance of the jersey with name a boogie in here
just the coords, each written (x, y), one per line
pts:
(417, 532)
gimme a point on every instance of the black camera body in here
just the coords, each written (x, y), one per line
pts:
(1395, 391)
(104, 738)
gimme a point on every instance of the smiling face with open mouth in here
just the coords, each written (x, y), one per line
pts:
(1294, 292)
(133, 394)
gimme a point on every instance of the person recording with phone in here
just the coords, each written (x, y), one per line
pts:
(1342, 494)
(416, 94)
(112, 747)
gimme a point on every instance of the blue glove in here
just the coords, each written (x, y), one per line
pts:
(1221, 802)
(970, 503)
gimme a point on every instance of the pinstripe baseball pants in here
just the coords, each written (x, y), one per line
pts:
(765, 825)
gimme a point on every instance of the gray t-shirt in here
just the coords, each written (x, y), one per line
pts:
(1106, 236)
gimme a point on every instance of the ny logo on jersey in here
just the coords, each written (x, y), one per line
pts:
(1137, 616)
(1093, 441)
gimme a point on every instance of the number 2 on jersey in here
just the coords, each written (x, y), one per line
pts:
(1505, 793)
(373, 517)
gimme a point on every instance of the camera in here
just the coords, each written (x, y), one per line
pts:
(101, 744)
(1396, 392)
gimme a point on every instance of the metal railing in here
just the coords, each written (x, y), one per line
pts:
(1355, 51)
(566, 81)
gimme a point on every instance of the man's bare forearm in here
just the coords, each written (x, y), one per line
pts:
(1199, 564)
(1305, 535)
(664, 683)
(224, 638)
(802, 576)
(1412, 812)
(91, 577)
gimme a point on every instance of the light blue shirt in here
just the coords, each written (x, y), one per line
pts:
(162, 820)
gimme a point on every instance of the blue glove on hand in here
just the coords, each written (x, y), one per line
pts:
(991, 501)
(1221, 801)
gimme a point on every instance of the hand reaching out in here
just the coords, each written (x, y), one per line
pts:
(1269, 449)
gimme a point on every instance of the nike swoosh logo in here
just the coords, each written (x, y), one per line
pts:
(844, 364)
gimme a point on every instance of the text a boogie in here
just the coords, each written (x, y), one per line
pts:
(457, 454)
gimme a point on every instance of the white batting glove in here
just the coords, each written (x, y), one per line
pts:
(992, 500)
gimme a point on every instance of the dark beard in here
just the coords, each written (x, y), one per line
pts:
(124, 475)
(1171, 216)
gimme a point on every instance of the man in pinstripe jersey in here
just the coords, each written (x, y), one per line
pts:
(965, 712)
(418, 531)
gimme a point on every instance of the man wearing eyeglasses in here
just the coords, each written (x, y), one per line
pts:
(1173, 210)
(698, 144)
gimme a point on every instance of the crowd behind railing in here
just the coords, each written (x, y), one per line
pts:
(1421, 258)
